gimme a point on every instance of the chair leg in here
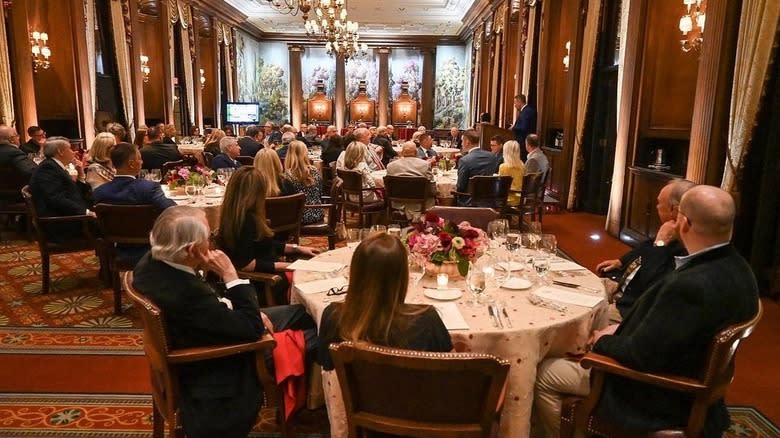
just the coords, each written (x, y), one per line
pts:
(117, 286)
(158, 423)
(331, 243)
(45, 272)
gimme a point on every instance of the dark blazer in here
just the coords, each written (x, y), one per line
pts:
(455, 142)
(477, 162)
(222, 161)
(56, 194)
(124, 190)
(249, 147)
(657, 261)
(30, 147)
(668, 331)
(525, 124)
(219, 397)
(12, 156)
(388, 153)
(156, 154)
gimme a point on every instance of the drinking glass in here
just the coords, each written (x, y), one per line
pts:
(394, 230)
(549, 244)
(190, 190)
(416, 270)
(353, 237)
(143, 174)
(475, 280)
(378, 229)
(222, 176)
(155, 175)
(497, 231)
(542, 266)
(513, 239)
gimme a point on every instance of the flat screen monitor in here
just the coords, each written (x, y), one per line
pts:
(243, 112)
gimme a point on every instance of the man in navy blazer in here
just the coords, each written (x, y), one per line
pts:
(230, 151)
(668, 330)
(11, 155)
(251, 142)
(126, 189)
(58, 193)
(477, 161)
(157, 153)
(525, 122)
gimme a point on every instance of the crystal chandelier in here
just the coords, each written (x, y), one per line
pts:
(293, 7)
(341, 36)
(347, 42)
(692, 24)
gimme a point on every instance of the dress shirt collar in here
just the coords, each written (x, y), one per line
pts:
(64, 167)
(183, 268)
(680, 261)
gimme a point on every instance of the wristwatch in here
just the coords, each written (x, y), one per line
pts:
(659, 243)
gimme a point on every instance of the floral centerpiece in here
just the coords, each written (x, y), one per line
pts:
(196, 175)
(438, 243)
(445, 162)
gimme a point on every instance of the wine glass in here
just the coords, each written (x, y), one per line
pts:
(549, 244)
(475, 280)
(190, 190)
(143, 174)
(513, 239)
(222, 176)
(416, 270)
(155, 175)
(353, 237)
(394, 230)
(378, 229)
(497, 231)
(542, 266)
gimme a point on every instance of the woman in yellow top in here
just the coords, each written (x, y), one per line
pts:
(514, 167)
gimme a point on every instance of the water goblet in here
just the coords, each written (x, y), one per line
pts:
(353, 238)
(190, 190)
(542, 266)
(143, 174)
(497, 231)
(378, 229)
(549, 244)
(394, 230)
(222, 176)
(475, 280)
(416, 269)
(512, 239)
(155, 175)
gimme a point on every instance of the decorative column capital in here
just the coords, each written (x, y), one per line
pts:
(295, 48)
(383, 50)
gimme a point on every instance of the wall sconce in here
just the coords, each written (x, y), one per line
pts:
(405, 109)
(362, 111)
(566, 56)
(319, 110)
(40, 51)
(692, 25)
(202, 79)
(145, 70)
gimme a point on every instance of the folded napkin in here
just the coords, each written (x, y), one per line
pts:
(315, 266)
(314, 287)
(513, 266)
(565, 266)
(563, 296)
(451, 316)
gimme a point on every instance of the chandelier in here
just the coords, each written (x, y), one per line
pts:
(341, 36)
(347, 42)
(293, 7)
(692, 25)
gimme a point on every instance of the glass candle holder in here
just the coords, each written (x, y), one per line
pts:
(442, 280)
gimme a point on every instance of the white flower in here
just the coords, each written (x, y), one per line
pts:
(458, 242)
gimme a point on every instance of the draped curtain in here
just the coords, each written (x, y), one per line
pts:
(758, 25)
(89, 11)
(227, 39)
(185, 19)
(588, 57)
(6, 87)
(122, 50)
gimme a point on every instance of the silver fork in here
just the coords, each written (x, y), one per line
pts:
(541, 302)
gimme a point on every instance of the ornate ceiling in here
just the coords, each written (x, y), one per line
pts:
(376, 17)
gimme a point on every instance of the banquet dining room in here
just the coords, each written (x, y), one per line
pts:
(353, 218)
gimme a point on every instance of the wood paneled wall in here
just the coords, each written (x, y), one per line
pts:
(154, 45)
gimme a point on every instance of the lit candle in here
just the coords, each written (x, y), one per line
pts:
(442, 280)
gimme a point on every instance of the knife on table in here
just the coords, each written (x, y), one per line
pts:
(506, 315)
(576, 286)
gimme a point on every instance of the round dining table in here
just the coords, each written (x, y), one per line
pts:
(445, 182)
(210, 201)
(530, 333)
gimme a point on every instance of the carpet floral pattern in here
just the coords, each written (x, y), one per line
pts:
(71, 341)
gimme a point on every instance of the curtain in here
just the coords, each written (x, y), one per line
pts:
(190, 79)
(589, 42)
(758, 25)
(227, 38)
(122, 50)
(6, 87)
(89, 11)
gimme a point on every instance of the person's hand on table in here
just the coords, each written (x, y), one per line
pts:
(609, 265)
(307, 251)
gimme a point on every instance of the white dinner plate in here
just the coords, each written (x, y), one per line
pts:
(513, 266)
(178, 197)
(443, 294)
(215, 195)
(517, 284)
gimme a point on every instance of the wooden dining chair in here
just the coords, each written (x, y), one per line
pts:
(332, 206)
(355, 197)
(123, 225)
(403, 192)
(420, 394)
(579, 416)
(485, 191)
(84, 242)
(285, 214)
(165, 362)
(531, 198)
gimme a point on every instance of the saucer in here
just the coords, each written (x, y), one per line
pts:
(443, 294)
(517, 284)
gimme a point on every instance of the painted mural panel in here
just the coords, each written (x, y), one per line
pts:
(262, 71)
(405, 65)
(449, 97)
(317, 65)
(364, 68)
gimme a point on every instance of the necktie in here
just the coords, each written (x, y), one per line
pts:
(627, 277)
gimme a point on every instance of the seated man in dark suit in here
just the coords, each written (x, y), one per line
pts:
(219, 397)
(477, 161)
(230, 151)
(668, 330)
(59, 189)
(35, 144)
(639, 268)
(126, 189)
(425, 150)
(251, 142)
(11, 155)
(272, 133)
(156, 153)
(382, 140)
(454, 138)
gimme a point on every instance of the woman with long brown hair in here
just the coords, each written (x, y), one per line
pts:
(212, 142)
(374, 310)
(304, 178)
(244, 233)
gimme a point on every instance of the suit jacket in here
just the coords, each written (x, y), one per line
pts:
(477, 162)
(537, 162)
(388, 153)
(668, 331)
(455, 142)
(222, 161)
(249, 147)
(410, 166)
(425, 154)
(156, 154)
(657, 261)
(525, 123)
(196, 318)
(12, 156)
(123, 190)
(30, 147)
(56, 194)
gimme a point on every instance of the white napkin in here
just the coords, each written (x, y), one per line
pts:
(314, 287)
(451, 316)
(578, 299)
(315, 266)
(513, 266)
(565, 266)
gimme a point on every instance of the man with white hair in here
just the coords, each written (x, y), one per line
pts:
(668, 330)
(287, 138)
(219, 397)
(383, 141)
(230, 151)
(330, 132)
(390, 132)
(410, 165)
(372, 159)
(11, 155)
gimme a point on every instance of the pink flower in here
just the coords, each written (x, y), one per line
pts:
(184, 173)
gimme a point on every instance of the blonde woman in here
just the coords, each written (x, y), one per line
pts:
(514, 167)
(270, 166)
(100, 170)
(304, 178)
(355, 159)
(212, 144)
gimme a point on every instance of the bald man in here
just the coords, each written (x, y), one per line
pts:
(11, 155)
(410, 165)
(668, 329)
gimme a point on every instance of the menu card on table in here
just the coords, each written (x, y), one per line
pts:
(315, 266)
(578, 299)
(451, 316)
(565, 265)
(314, 287)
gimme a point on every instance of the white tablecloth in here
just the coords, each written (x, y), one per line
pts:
(537, 333)
(445, 183)
(211, 203)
